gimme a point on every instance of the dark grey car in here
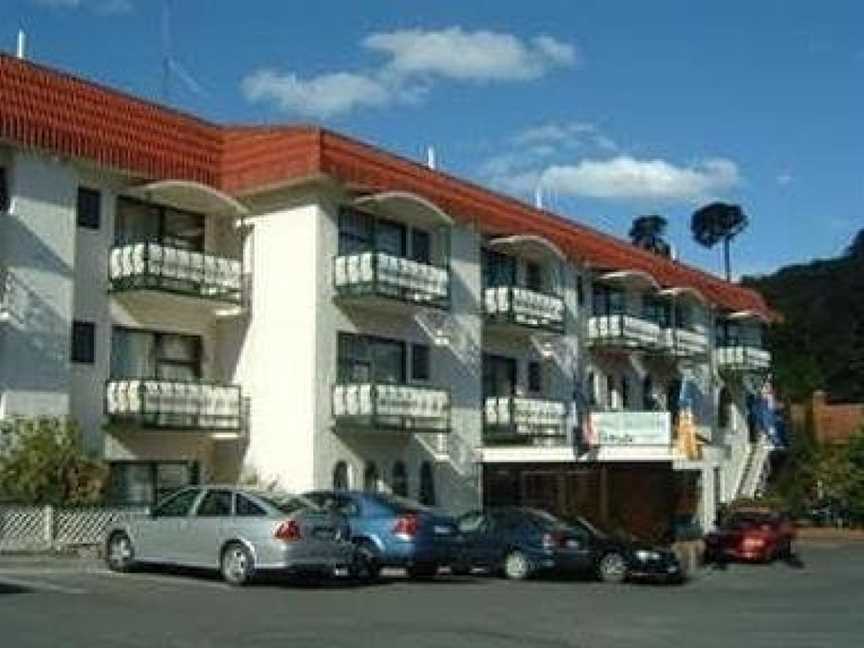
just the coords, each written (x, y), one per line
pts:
(239, 531)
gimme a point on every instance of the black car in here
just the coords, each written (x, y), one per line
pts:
(521, 542)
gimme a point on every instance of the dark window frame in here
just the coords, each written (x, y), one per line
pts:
(535, 377)
(83, 342)
(498, 269)
(163, 235)
(421, 362)
(88, 208)
(492, 362)
(533, 276)
(159, 360)
(5, 196)
(345, 365)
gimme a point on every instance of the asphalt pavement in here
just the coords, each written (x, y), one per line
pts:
(70, 603)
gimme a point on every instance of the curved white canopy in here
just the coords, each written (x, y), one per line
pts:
(192, 196)
(747, 314)
(405, 206)
(631, 276)
(529, 246)
(687, 291)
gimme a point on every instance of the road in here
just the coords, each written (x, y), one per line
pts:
(65, 603)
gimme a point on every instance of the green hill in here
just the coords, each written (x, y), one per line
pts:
(820, 344)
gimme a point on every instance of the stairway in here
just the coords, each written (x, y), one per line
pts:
(754, 470)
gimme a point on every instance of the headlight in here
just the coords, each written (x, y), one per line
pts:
(644, 555)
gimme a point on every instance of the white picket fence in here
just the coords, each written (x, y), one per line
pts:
(46, 528)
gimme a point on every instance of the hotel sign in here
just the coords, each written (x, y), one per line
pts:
(632, 428)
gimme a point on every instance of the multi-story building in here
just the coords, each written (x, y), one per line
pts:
(290, 305)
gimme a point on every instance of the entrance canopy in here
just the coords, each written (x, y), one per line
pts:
(190, 196)
(631, 277)
(529, 246)
(405, 207)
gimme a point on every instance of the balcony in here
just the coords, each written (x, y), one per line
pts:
(684, 342)
(624, 331)
(524, 307)
(166, 404)
(408, 408)
(742, 357)
(156, 267)
(378, 274)
(528, 421)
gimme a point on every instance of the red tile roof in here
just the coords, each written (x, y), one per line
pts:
(47, 110)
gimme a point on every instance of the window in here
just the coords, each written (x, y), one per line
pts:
(580, 290)
(421, 246)
(724, 408)
(535, 377)
(420, 367)
(340, 476)
(370, 477)
(89, 208)
(177, 505)
(216, 503)
(498, 269)
(683, 316)
(533, 276)
(247, 508)
(370, 359)
(649, 401)
(499, 376)
(390, 238)
(611, 399)
(4, 191)
(145, 482)
(147, 354)
(655, 310)
(592, 389)
(608, 301)
(140, 222)
(83, 342)
(399, 482)
(427, 484)
(355, 232)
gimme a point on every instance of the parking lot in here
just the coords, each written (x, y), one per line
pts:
(66, 602)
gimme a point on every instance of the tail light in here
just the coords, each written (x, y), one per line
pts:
(406, 525)
(753, 543)
(289, 531)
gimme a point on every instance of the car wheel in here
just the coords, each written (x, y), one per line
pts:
(460, 569)
(516, 566)
(423, 570)
(366, 567)
(612, 568)
(236, 564)
(119, 553)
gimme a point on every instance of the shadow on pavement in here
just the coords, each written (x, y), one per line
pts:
(8, 588)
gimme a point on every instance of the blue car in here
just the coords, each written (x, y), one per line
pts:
(392, 531)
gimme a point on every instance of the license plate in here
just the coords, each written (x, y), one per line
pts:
(443, 530)
(340, 572)
(671, 569)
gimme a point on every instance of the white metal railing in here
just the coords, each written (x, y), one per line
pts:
(742, 357)
(632, 428)
(528, 416)
(628, 330)
(387, 274)
(524, 306)
(174, 404)
(407, 407)
(152, 265)
(684, 342)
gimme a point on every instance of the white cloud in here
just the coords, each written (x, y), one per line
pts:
(417, 59)
(97, 6)
(325, 95)
(627, 178)
(784, 179)
(572, 135)
(470, 56)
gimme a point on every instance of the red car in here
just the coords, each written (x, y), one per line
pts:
(751, 536)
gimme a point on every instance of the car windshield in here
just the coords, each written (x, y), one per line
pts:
(750, 520)
(402, 504)
(287, 503)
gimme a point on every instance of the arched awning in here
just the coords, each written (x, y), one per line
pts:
(685, 291)
(530, 246)
(191, 196)
(405, 207)
(748, 314)
(630, 276)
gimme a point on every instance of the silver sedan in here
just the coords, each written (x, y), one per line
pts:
(239, 531)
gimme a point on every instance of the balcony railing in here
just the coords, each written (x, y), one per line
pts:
(632, 428)
(175, 405)
(624, 331)
(742, 357)
(391, 406)
(152, 266)
(684, 342)
(533, 421)
(525, 307)
(386, 275)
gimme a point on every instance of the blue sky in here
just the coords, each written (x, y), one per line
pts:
(614, 108)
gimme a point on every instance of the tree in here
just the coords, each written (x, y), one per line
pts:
(856, 248)
(647, 232)
(42, 461)
(717, 222)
